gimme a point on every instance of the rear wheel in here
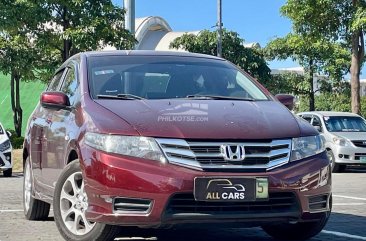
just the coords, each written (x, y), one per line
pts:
(70, 204)
(297, 231)
(8, 172)
(33, 209)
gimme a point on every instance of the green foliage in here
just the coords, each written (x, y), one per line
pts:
(288, 83)
(318, 55)
(16, 141)
(338, 22)
(327, 102)
(72, 26)
(249, 59)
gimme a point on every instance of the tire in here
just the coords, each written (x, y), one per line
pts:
(297, 231)
(69, 211)
(335, 166)
(34, 209)
(8, 173)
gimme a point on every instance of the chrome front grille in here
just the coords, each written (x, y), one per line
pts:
(207, 155)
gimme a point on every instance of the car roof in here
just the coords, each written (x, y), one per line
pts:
(148, 53)
(329, 113)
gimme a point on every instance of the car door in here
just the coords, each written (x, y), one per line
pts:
(39, 123)
(62, 129)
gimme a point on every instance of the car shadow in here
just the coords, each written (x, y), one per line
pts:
(338, 222)
(15, 175)
(355, 169)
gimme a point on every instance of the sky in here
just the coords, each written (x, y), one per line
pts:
(255, 20)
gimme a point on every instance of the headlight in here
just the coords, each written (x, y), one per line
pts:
(5, 146)
(303, 147)
(136, 146)
(341, 141)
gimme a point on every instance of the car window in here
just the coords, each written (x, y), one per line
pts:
(71, 85)
(168, 77)
(345, 124)
(53, 86)
(316, 121)
(307, 118)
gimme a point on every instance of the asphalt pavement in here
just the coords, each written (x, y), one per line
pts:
(347, 222)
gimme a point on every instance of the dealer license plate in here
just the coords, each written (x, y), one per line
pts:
(230, 189)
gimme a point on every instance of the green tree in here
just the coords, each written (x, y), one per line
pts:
(249, 59)
(338, 21)
(72, 26)
(315, 55)
(289, 83)
(18, 53)
(37, 35)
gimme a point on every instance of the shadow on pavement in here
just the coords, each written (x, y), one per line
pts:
(355, 169)
(347, 223)
(15, 175)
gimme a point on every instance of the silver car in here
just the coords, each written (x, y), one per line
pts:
(6, 163)
(345, 136)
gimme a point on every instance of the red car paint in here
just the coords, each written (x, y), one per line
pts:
(55, 136)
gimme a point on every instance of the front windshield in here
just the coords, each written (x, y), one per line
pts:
(344, 124)
(166, 77)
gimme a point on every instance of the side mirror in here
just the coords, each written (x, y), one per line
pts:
(54, 100)
(286, 100)
(8, 133)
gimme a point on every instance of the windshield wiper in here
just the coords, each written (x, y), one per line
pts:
(218, 97)
(121, 97)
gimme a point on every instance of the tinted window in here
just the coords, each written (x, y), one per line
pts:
(71, 85)
(307, 118)
(345, 124)
(316, 121)
(55, 81)
(162, 77)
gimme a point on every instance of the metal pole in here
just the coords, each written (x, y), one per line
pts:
(129, 6)
(219, 28)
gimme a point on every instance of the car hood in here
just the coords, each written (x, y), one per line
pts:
(206, 119)
(353, 136)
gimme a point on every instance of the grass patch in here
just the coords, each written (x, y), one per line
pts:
(29, 98)
(18, 160)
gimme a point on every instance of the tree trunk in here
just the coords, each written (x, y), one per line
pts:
(358, 52)
(311, 82)
(357, 57)
(66, 42)
(15, 102)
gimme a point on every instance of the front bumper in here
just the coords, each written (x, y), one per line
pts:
(6, 160)
(108, 177)
(349, 155)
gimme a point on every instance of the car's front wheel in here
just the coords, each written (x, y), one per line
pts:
(70, 203)
(297, 231)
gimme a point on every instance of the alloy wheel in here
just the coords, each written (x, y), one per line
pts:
(73, 205)
(27, 187)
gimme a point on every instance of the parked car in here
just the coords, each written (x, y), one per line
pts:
(345, 136)
(158, 139)
(6, 163)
